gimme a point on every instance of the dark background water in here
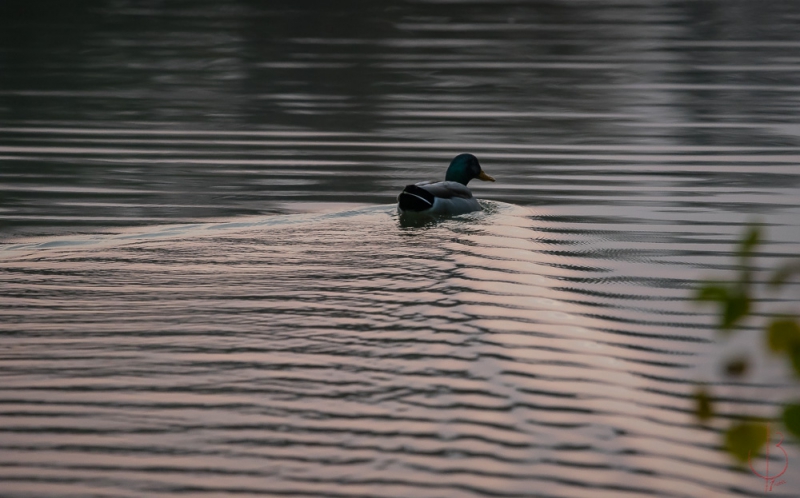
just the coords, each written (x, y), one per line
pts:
(117, 113)
(248, 318)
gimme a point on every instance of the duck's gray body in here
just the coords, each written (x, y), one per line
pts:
(448, 197)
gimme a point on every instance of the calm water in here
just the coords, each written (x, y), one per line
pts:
(206, 290)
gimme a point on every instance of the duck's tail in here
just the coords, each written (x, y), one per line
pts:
(414, 198)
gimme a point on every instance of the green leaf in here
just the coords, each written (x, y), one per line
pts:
(751, 239)
(784, 273)
(782, 335)
(791, 419)
(712, 292)
(734, 304)
(745, 439)
(733, 309)
(702, 404)
(745, 278)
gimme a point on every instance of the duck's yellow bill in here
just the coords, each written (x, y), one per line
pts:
(483, 176)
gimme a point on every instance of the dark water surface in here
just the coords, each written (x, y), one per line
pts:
(206, 290)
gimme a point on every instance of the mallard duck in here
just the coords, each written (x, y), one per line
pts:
(448, 197)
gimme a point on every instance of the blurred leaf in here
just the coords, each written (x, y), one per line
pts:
(736, 367)
(783, 334)
(712, 292)
(751, 239)
(745, 277)
(791, 419)
(702, 404)
(784, 273)
(745, 438)
(735, 303)
(734, 308)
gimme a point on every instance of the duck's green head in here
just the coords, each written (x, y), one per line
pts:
(464, 168)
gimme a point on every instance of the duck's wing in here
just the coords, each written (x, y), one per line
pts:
(447, 190)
